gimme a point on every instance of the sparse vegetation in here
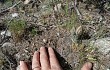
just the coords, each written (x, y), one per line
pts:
(33, 32)
(71, 22)
(56, 23)
(17, 28)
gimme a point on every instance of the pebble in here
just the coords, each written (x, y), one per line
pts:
(14, 15)
(57, 7)
(58, 34)
(27, 1)
(103, 45)
(44, 40)
(6, 33)
(103, 50)
(18, 55)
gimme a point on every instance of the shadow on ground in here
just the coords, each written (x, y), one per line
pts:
(64, 64)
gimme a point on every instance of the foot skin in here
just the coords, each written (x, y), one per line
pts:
(87, 66)
(41, 61)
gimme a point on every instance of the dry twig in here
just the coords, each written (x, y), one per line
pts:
(10, 7)
(77, 10)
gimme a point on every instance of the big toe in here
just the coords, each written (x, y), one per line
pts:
(87, 66)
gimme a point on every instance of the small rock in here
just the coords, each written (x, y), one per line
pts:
(57, 7)
(58, 34)
(27, 1)
(6, 33)
(25, 50)
(103, 45)
(44, 40)
(18, 55)
(44, 6)
(14, 15)
(103, 50)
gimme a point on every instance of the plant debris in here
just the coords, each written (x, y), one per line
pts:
(67, 26)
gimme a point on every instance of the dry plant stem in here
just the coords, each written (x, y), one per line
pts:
(77, 10)
(10, 7)
(40, 1)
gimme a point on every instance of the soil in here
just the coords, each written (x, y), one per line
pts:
(48, 28)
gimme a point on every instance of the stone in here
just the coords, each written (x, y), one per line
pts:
(14, 15)
(6, 33)
(103, 50)
(103, 45)
(27, 1)
(57, 7)
(44, 40)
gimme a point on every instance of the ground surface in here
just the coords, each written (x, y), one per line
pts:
(69, 29)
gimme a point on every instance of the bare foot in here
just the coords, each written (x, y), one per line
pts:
(87, 66)
(41, 61)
